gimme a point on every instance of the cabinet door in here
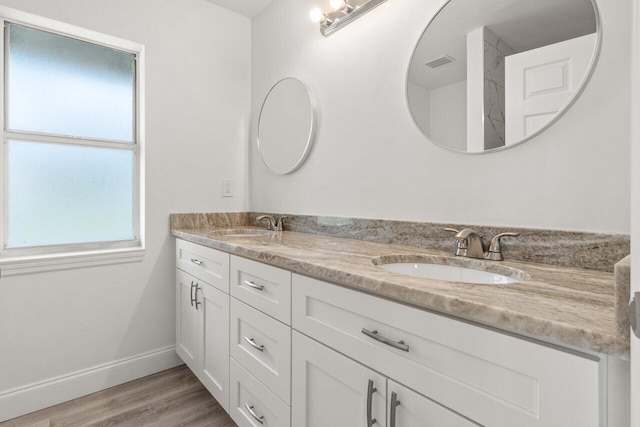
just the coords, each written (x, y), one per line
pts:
(410, 409)
(213, 371)
(329, 389)
(186, 320)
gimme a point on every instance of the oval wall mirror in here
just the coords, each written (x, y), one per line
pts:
(287, 126)
(489, 74)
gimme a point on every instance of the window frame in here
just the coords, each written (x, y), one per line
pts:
(21, 260)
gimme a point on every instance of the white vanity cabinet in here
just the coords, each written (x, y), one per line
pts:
(488, 377)
(202, 316)
(279, 349)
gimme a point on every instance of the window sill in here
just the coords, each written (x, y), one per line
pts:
(16, 266)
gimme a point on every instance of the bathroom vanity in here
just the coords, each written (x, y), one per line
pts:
(295, 329)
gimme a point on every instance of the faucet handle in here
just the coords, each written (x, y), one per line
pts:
(495, 250)
(461, 244)
(280, 223)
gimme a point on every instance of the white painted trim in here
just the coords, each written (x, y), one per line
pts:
(635, 205)
(51, 25)
(16, 266)
(40, 395)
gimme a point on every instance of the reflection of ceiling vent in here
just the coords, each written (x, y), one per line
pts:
(439, 61)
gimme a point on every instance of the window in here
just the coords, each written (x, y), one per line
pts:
(72, 144)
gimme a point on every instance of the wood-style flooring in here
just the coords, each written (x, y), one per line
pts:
(170, 398)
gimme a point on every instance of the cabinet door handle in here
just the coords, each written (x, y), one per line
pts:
(196, 261)
(400, 345)
(253, 344)
(192, 298)
(198, 288)
(394, 404)
(253, 285)
(253, 413)
(370, 390)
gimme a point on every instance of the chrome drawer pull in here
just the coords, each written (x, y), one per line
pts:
(400, 345)
(253, 344)
(196, 261)
(394, 404)
(253, 413)
(192, 287)
(370, 390)
(253, 285)
(198, 288)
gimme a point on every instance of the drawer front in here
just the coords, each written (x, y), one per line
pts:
(249, 395)
(492, 378)
(206, 264)
(262, 345)
(263, 287)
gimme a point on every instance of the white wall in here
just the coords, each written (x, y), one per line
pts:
(449, 115)
(198, 90)
(370, 160)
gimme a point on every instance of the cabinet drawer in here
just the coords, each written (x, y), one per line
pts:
(262, 345)
(263, 287)
(206, 264)
(248, 394)
(492, 378)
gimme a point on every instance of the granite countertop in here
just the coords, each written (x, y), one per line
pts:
(570, 307)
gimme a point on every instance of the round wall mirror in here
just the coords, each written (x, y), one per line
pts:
(489, 74)
(287, 126)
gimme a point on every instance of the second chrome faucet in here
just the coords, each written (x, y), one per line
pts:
(275, 224)
(470, 244)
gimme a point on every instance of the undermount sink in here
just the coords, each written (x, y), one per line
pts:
(440, 268)
(242, 232)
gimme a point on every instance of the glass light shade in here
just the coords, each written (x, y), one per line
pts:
(338, 4)
(316, 15)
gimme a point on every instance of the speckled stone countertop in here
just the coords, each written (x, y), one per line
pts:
(570, 307)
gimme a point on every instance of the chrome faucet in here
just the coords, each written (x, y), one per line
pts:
(275, 224)
(470, 244)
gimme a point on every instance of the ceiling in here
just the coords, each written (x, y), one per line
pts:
(249, 8)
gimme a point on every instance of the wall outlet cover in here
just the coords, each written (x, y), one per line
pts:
(227, 188)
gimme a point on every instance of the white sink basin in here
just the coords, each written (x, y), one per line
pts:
(242, 232)
(448, 273)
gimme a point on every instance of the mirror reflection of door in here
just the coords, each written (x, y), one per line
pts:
(541, 81)
(487, 74)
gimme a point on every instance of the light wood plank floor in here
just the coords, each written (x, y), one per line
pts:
(170, 398)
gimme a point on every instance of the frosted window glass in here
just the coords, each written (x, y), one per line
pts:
(62, 194)
(64, 86)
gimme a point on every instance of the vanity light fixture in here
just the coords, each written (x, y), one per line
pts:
(342, 13)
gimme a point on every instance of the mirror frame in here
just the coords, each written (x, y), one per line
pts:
(583, 84)
(312, 131)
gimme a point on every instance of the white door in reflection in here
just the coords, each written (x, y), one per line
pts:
(540, 82)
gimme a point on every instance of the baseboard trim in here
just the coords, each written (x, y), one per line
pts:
(40, 395)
